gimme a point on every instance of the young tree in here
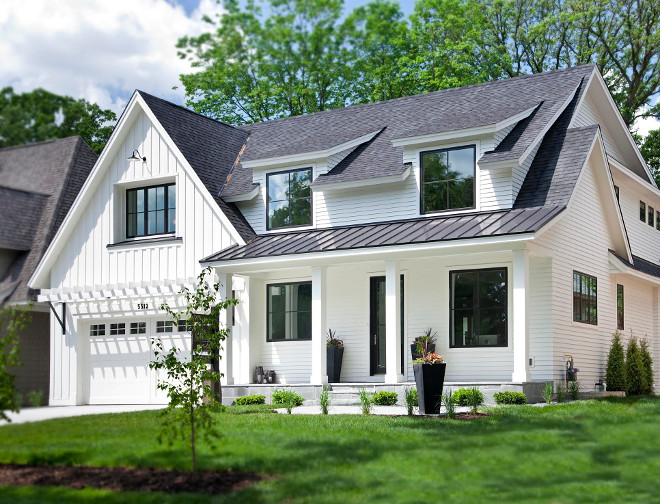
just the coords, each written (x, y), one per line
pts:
(635, 377)
(647, 366)
(615, 374)
(12, 321)
(39, 115)
(189, 379)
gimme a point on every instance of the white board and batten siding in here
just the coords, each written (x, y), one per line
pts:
(86, 260)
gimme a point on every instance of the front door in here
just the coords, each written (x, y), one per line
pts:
(377, 325)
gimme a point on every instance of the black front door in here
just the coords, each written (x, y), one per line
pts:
(377, 325)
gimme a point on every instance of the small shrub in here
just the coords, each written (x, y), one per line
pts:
(250, 399)
(36, 398)
(366, 402)
(635, 378)
(647, 366)
(468, 396)
(283, 397)
(450, 404)
(411, 399)
(510, 398)
(324, 400)
(384, 398)
(615, 372)
(548, 390)
(573, 389)
(561, 393)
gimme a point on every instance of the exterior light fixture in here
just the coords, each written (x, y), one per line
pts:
(136, 156)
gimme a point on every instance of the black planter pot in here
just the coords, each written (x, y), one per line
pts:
(429, 379)
(415, 355)
(335, 355)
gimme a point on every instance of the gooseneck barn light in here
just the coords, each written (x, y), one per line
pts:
(136, 156)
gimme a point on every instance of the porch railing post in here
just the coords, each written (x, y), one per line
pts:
(227, 322)
(520, 324)
(318, 358)
(392, 322)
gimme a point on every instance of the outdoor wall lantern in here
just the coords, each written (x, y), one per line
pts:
(136, 156)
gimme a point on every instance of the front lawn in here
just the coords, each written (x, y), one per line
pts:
(583, 452)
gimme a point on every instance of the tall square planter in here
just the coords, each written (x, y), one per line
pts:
(334, 355)
(430, 379)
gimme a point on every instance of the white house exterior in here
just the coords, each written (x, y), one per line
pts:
(475, 211)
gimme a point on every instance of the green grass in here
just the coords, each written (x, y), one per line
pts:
(581, 452)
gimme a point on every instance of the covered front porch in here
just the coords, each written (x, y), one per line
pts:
(378, 300)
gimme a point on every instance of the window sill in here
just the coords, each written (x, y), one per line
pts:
(161, 240)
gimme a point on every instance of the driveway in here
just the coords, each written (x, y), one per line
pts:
(48, 412)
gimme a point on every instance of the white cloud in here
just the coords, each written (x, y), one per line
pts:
(100, 50)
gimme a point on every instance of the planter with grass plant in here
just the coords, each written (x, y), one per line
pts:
(423, 344)
(429, 378)
(335, 354)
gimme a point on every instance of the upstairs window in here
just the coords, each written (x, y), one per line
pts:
(642, 211)
(448, 179)
(150, 210)
(585, 298)
(289, 198)
(657, 220)
(616, 192)
(651, 216)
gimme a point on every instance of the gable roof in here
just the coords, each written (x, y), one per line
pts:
(211, 147)
(39, 182)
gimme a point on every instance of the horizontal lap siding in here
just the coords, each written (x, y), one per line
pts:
(540, 318)
(495, 189)
(86, 261)
(644, 239)
(587, 115)
(289, 359)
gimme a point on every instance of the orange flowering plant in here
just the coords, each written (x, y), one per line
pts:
(430, 358)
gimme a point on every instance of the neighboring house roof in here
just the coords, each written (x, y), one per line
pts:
(431, 113)
(38, 185)
(404, 232)
(211, 147)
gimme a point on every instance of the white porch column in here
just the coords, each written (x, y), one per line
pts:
(520, 324)
(319, 363)
(392, 322)
(227, 322)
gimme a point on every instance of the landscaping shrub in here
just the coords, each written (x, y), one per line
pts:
(561, 393)
(411, 399)
(450, 404)
(510, 398)
(548, 390)
(468, 396)
(366, 402)
(250, 399)
(283, 397)
(384, 398)
(635, 377)
(647, 365)
(36, 398)
(573, 389)
(615, 373)
(324, 400)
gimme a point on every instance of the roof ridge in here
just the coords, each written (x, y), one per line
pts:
(34, 144)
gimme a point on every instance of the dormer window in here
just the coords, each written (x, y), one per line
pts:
(448, 179)
(150, 210)
(289, 198)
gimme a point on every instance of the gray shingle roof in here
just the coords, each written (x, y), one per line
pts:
(45, 177)
(211, 147)
(404, 232)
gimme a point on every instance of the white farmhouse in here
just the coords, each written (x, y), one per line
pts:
(515, 218)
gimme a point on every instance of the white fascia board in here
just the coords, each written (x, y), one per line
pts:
(488, 129)
(243, 197)
(368, 253)
(645, 185)
(627, 270)
(303, 157)
(336, 186)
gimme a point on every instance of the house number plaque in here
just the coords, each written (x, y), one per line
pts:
(143, 306)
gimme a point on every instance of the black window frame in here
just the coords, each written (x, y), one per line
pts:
(616, 192)
(657, 220)
(422, 183)
(146, 210)
(478, 308)
(139, 327)
(118, 329)
(620, 308)
(279, 284)
(642, 211)
(311, 198)
(591, 300)
(97, 330)
(650, 211)
(164, 326)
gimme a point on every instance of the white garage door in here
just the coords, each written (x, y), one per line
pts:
(119, 356)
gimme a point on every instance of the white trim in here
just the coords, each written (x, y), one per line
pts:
(244, 196)
(308, 156)
(620, 168)
(627, 270)
(349, 184)
(460, 133)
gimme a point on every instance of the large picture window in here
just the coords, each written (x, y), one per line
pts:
(150, 210)
(289, 198)
(289, 311)
(478, 310)
(448, 179)
(585, 298)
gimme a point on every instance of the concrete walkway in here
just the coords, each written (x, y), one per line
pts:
(49, 412)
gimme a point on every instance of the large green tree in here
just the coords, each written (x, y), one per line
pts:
(40, 115)
(650, 148)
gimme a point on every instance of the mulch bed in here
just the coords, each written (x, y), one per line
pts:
(127, 479)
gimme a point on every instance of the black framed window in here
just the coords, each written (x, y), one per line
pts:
(163, 326)
(138, 327)
(117, 329)
(642, 211)
(616, 192)
(150, 210)
(185, 325)
(289, 198)
(478, 308)
(651, 221)
(289, 311)
(619, 307)
(657, 220)
(97, 330)
(448, 179)
(585, 298)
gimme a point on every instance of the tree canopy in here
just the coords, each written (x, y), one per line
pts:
(40, 115)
